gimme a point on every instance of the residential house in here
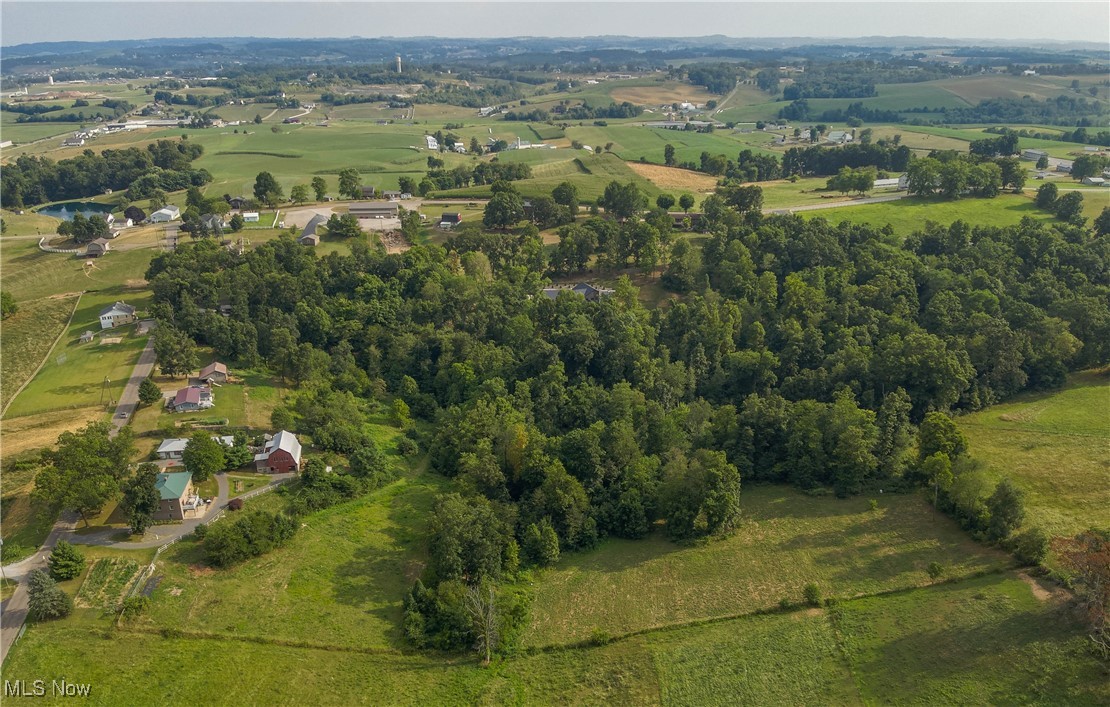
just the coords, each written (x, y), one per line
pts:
(73, 142)
(281, 454)
(213, 222)
(214, 372)
(191, 399)
(374, 209)
(433, 144)
(174, 448)
(176, 495)
(839, 137)
(391, 195)
(118, 314)
(97, 248)
(164, 215)
(678, 218)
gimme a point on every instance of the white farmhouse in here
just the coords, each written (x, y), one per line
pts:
(117, 314)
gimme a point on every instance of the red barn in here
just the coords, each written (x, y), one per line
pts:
(281, 454)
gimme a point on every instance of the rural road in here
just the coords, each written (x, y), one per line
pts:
(838, 204)
(129, 399)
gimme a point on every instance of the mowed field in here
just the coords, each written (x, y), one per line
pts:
(27, 339)
(1055, 446)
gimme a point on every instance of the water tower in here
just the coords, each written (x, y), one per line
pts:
(398, 64)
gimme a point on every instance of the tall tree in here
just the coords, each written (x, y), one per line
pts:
(175, 351)
(319, 188)
(350, 183)
(83, 472)
(299, 194)
(141, 498)
(481, 606)
(203, 456)
(149, 392)
(267, 189)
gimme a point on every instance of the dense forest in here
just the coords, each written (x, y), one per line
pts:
(800, 352)
(164, 165)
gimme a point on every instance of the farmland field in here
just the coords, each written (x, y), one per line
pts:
(1056, 446)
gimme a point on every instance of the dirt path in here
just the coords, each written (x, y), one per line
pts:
(1041, 592)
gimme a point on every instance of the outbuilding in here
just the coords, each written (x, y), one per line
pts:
(166, 214)
(281, 454)
(117, 314)
(97, 248)
(214, 372)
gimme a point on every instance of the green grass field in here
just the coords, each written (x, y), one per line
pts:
(27, 338)
(910, 214)
(1056, 446)
(787, 540)
(74, 372)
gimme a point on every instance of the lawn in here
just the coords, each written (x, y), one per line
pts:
(786, 541)
(1056, 446)
(240, 483)
(74, 374)
(28, 336)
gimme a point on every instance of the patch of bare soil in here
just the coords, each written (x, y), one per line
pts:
(673, 178)
(1041, 592)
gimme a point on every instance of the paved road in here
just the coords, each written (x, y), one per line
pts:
(129, 400)
(13, 612)
(838, 204)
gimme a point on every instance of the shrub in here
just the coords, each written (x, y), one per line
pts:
(46, 599)
(935, 570)
(133, 607)
(599, 636)
(1031, 547)
(235, 504)
(407, 447)
(873, 504)
(66, 562)
(200, 531)
(812, 594)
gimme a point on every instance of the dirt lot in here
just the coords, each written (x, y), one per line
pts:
(674, 179)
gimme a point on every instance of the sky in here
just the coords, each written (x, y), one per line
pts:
(94, 20)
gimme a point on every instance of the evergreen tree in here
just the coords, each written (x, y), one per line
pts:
(46, 600)
(66, 561)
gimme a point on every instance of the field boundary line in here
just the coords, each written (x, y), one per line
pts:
(1085, 435)
(793, 608)
(47, 356)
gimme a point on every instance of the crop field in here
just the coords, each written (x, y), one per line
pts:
(1055, 446)
(633, 142)
(675, 180)
(786, 541)
(896, 97)
(28, 337)
(654, 93)
(105, 583)
(978, 88)
(74, 373)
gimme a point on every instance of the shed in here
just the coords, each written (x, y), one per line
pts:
(214, 372)
(97, 248)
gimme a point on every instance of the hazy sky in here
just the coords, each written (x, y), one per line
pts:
(44, 21)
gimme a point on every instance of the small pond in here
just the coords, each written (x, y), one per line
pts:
(68, 209)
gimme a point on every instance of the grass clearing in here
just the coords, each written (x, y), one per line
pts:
(910, 214)
(985, 641)
(786, 541)
(1056, 446)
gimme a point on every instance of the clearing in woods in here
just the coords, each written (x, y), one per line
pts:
(1055, 446)
(674, 179)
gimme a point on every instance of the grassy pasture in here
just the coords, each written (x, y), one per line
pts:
(1056, 446)
(73, 374)
(990, 640)
(910, 214)
(27, 338)
(787, 540)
